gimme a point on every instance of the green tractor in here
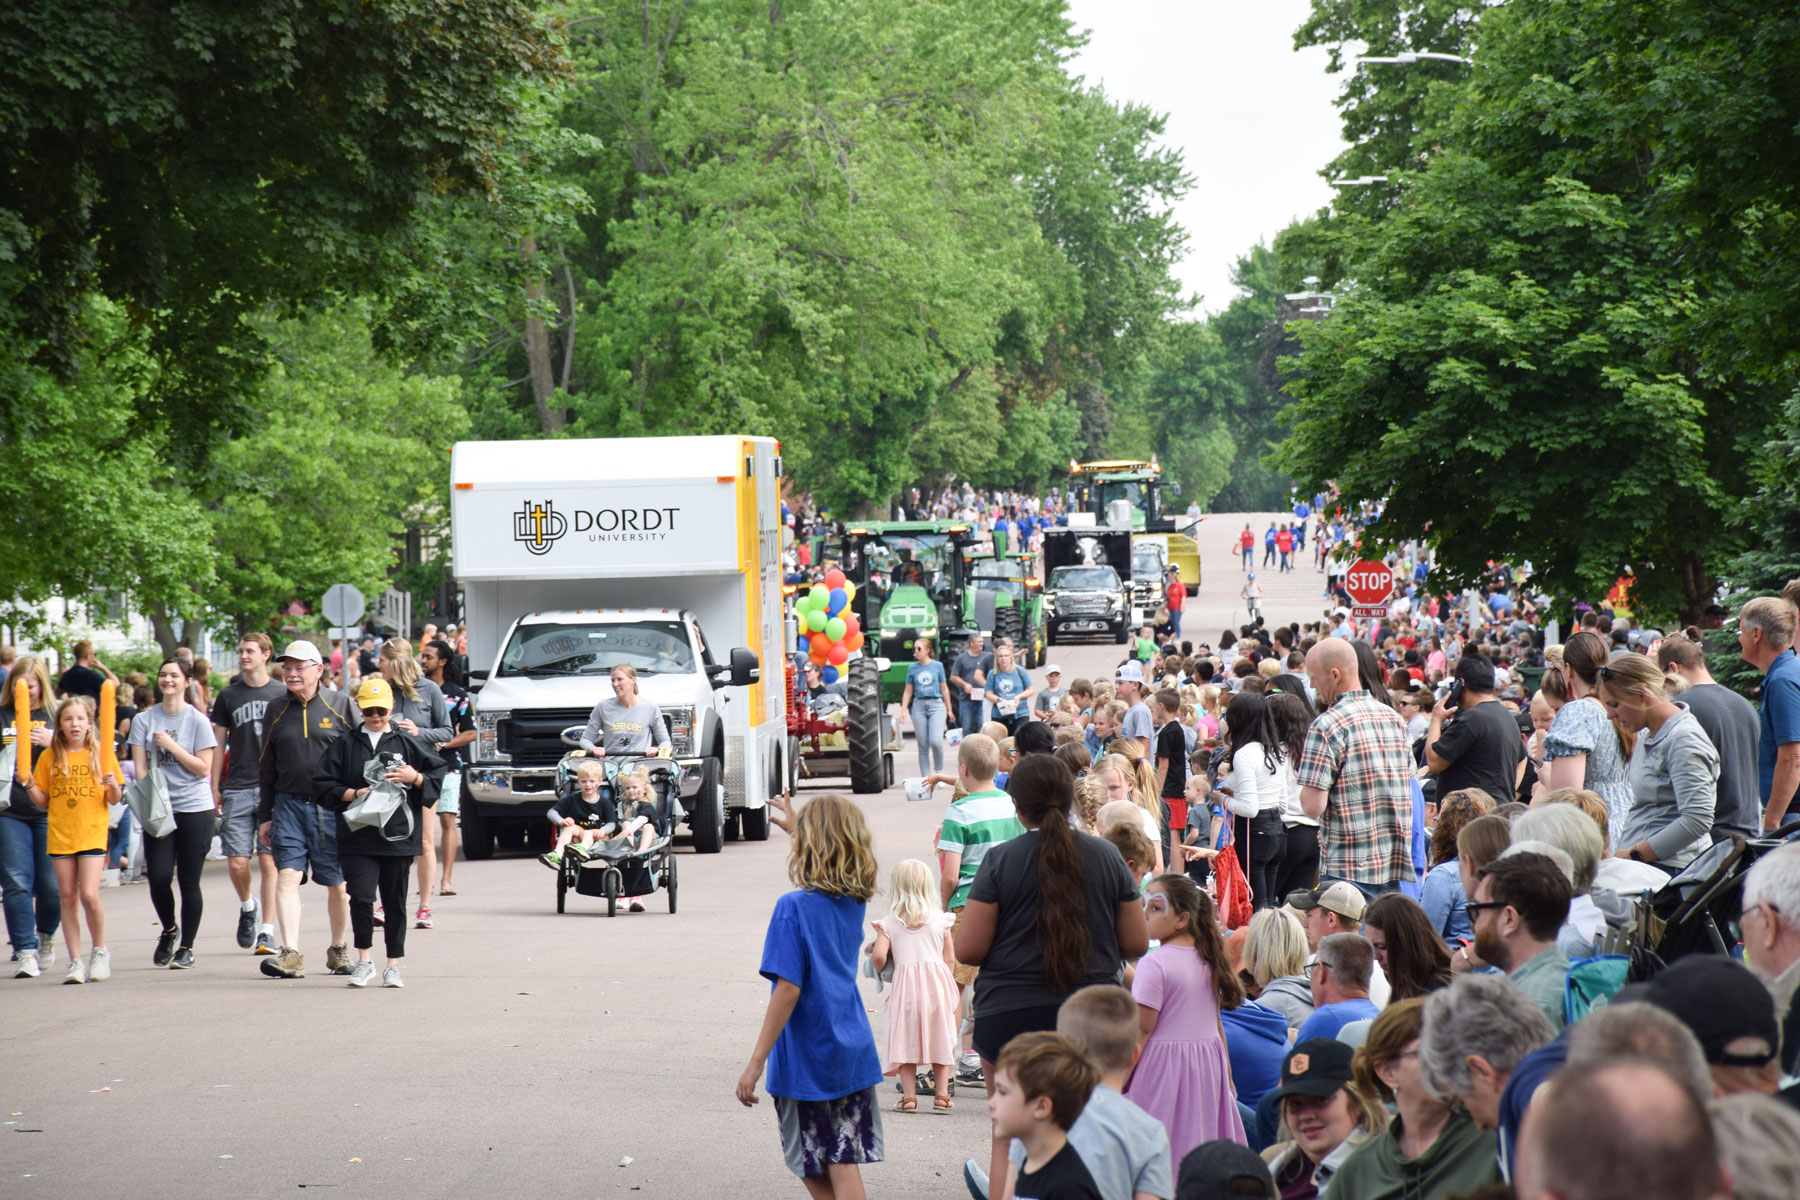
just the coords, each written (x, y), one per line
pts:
(1004, 595)
(909, 578)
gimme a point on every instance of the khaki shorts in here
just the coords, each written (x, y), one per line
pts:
(964, 975)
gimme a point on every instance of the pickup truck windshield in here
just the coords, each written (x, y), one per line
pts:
(1084, 579)
(652, 647)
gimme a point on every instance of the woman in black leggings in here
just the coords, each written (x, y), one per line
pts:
(176, 739)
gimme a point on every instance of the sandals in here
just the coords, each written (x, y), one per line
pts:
(446, 891)
(906, 1104)
(942, 1103)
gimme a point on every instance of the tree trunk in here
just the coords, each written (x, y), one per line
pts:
(164, 629)
(537, 344)
(1697, 586)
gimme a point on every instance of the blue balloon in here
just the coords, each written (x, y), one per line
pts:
(829, 675)
(804, 644)
(837, 601)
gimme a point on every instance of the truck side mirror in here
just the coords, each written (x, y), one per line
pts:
(745, 669)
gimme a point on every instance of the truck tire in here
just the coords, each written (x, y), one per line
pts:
(708, 820)
(477, 834)
(1009, 623)
(756, 824)
(864, 731)
(1119, 634)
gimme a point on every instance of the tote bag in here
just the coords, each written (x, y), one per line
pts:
(149, 801)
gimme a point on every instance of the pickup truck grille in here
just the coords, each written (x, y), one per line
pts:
(1082, 604)
(534, 738)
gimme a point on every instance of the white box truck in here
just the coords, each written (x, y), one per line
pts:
(577, 555)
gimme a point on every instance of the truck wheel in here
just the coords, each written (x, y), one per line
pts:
(865, 727)
(477, 837)
(793, 765)
(731, 824)
(1119, 634)
(756, 824)
(708, 821)
(1009, 624)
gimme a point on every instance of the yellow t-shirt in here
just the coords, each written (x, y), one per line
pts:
(77, 803)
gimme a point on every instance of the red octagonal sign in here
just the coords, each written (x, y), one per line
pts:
(1369, 582)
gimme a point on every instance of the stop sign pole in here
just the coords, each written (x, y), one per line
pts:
(1369, 583)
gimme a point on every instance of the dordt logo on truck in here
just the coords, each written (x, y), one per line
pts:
(538, 525)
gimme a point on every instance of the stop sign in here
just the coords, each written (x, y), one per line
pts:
(1369, 582)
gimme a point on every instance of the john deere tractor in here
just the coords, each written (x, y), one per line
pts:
(1123, 493)
(909, 578)
(1005, 596)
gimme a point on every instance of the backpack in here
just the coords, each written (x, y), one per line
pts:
(1592, 983)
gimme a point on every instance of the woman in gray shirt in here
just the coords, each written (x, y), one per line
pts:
(1674, 769)
(622, 724)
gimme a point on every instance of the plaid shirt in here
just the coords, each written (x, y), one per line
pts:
(1357, 751)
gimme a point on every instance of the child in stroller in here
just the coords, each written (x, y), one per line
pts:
(587, 814)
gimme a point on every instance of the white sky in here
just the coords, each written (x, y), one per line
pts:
(1252, 118)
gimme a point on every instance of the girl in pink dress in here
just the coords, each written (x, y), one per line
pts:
(1183, 1077)
(921, 1008)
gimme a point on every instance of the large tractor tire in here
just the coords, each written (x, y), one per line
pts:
(1009, 623)
(864, 731)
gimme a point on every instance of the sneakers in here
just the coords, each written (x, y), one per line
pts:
(248, 918)
(968, 1072)
(380, 917)
(184, 958)
(165, 947)
(77, 972)
(289, 963)
(264, 944)
(422, 920)
(975, 1179)
(25, 965)
(100, 965)
(551, 859)
(47, 949)
(361, 973)
(391, 977)
(580, 850)
(338, 959)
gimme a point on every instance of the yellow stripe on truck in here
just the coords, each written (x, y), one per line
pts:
(750, 569)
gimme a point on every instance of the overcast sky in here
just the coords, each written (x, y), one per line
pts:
(1252, 118)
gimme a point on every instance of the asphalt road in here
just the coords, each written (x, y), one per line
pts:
(529, 1053)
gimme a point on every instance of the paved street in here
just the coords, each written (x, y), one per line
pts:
(530, 1053)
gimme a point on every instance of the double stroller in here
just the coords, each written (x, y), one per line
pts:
(619, 866)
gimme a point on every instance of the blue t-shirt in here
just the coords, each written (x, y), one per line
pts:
(1327, 1020)
(1780, 719)
(1269, 537)
(827, 1050)
(1255, 1041)
(1007, 684)
(927, 680)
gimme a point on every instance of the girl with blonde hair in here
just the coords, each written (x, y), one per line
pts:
(1121, 777)
(1674, 772)
(815, 1038)
(74, 783)
(921, 1009)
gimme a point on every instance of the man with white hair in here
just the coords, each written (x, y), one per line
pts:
(1769, 927)
(1765, 639)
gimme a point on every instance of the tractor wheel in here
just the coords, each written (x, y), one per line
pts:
(1008, 624)
(865, 727)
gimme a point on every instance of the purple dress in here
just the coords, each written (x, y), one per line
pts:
(1183, 1077)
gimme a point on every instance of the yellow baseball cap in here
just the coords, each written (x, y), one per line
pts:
(374, 692)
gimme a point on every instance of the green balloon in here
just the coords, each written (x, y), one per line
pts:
(815, 620)
(818, 598)
(835, 629)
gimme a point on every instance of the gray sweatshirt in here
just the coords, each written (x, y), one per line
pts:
(1674, 775)
(635, 730)
(428, 712)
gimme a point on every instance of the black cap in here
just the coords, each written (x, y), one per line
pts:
(1209, 1169)
(1720, 999)
(1316, 1067)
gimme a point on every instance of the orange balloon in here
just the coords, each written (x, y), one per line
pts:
(853, 641)
(838, 655)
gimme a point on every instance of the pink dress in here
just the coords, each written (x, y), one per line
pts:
(921, 1005)
(1183, 1077)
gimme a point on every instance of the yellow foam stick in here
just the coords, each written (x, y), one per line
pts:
(22, 729)
(109, 726)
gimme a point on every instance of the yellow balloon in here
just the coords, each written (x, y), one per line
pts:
(849, 591)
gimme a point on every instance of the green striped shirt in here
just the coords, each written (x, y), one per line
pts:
(973, 826)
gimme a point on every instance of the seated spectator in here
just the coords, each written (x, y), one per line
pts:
(1325, 1116)
(1729, 1011)
(1520, 905)
(1340, 983)
(1634, 1029)
(1441, 894)
(1769, 927)
(1430, 1149)
(1222, 1168)
(1569, 830)
(1476, 1031)
(1624, 1128)
(1275, 960)
(1759, 1141)
(1407, 948)
(1336, 907)
(1256, 1039)
(1481, 841)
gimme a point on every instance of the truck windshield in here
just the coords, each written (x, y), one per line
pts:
(1085, 579)
(1146, 562)
(651, 647)
(1122, 489)
(998, 575)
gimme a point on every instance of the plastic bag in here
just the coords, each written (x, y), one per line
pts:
(149, 801)
(384, 798)
(9, 768)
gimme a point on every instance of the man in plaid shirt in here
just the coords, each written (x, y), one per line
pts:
(1356, 777)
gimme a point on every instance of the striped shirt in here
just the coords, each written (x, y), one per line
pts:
(1357, 752)
(973, 826)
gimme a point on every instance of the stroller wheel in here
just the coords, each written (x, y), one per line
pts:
(612, 891)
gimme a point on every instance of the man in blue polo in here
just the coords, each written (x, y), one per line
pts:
(1766, 642)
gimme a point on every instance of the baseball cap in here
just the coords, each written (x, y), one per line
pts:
(1131, 672)
(1053, 669)
(1316, 1067)
(1720, 999)
(1211, 1168)
(1340, 898)
(374, 692)
(1340, 611)
(301, 652)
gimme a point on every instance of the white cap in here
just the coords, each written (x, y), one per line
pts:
(1131, 672)
(301, 652)
(1053, 669)
(1340, 612)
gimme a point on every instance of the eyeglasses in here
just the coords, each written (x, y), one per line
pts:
(1735, 926)
(1476, 907)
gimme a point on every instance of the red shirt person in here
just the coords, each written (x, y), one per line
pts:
(1177, 596)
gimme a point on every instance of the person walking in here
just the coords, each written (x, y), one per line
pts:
(177, 739)
(1246, 544)
(1269, 536)
(376, 860)
(921, 1009)
(438, 661)
(86, 676)
(237, 721)
(1008, 687)
(1766, 642)
(968, 681)
(419, 710)
(1255, 792)
(296, 732)
(72, 785)
(923, 699)
(1175, 595)
(31, 898)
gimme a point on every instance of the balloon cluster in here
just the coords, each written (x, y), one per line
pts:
(829, 631)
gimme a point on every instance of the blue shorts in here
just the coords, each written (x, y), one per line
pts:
(450, 795)
(305, 838)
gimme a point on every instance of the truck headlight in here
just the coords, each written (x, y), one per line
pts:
(487, 737)
(680, 720)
